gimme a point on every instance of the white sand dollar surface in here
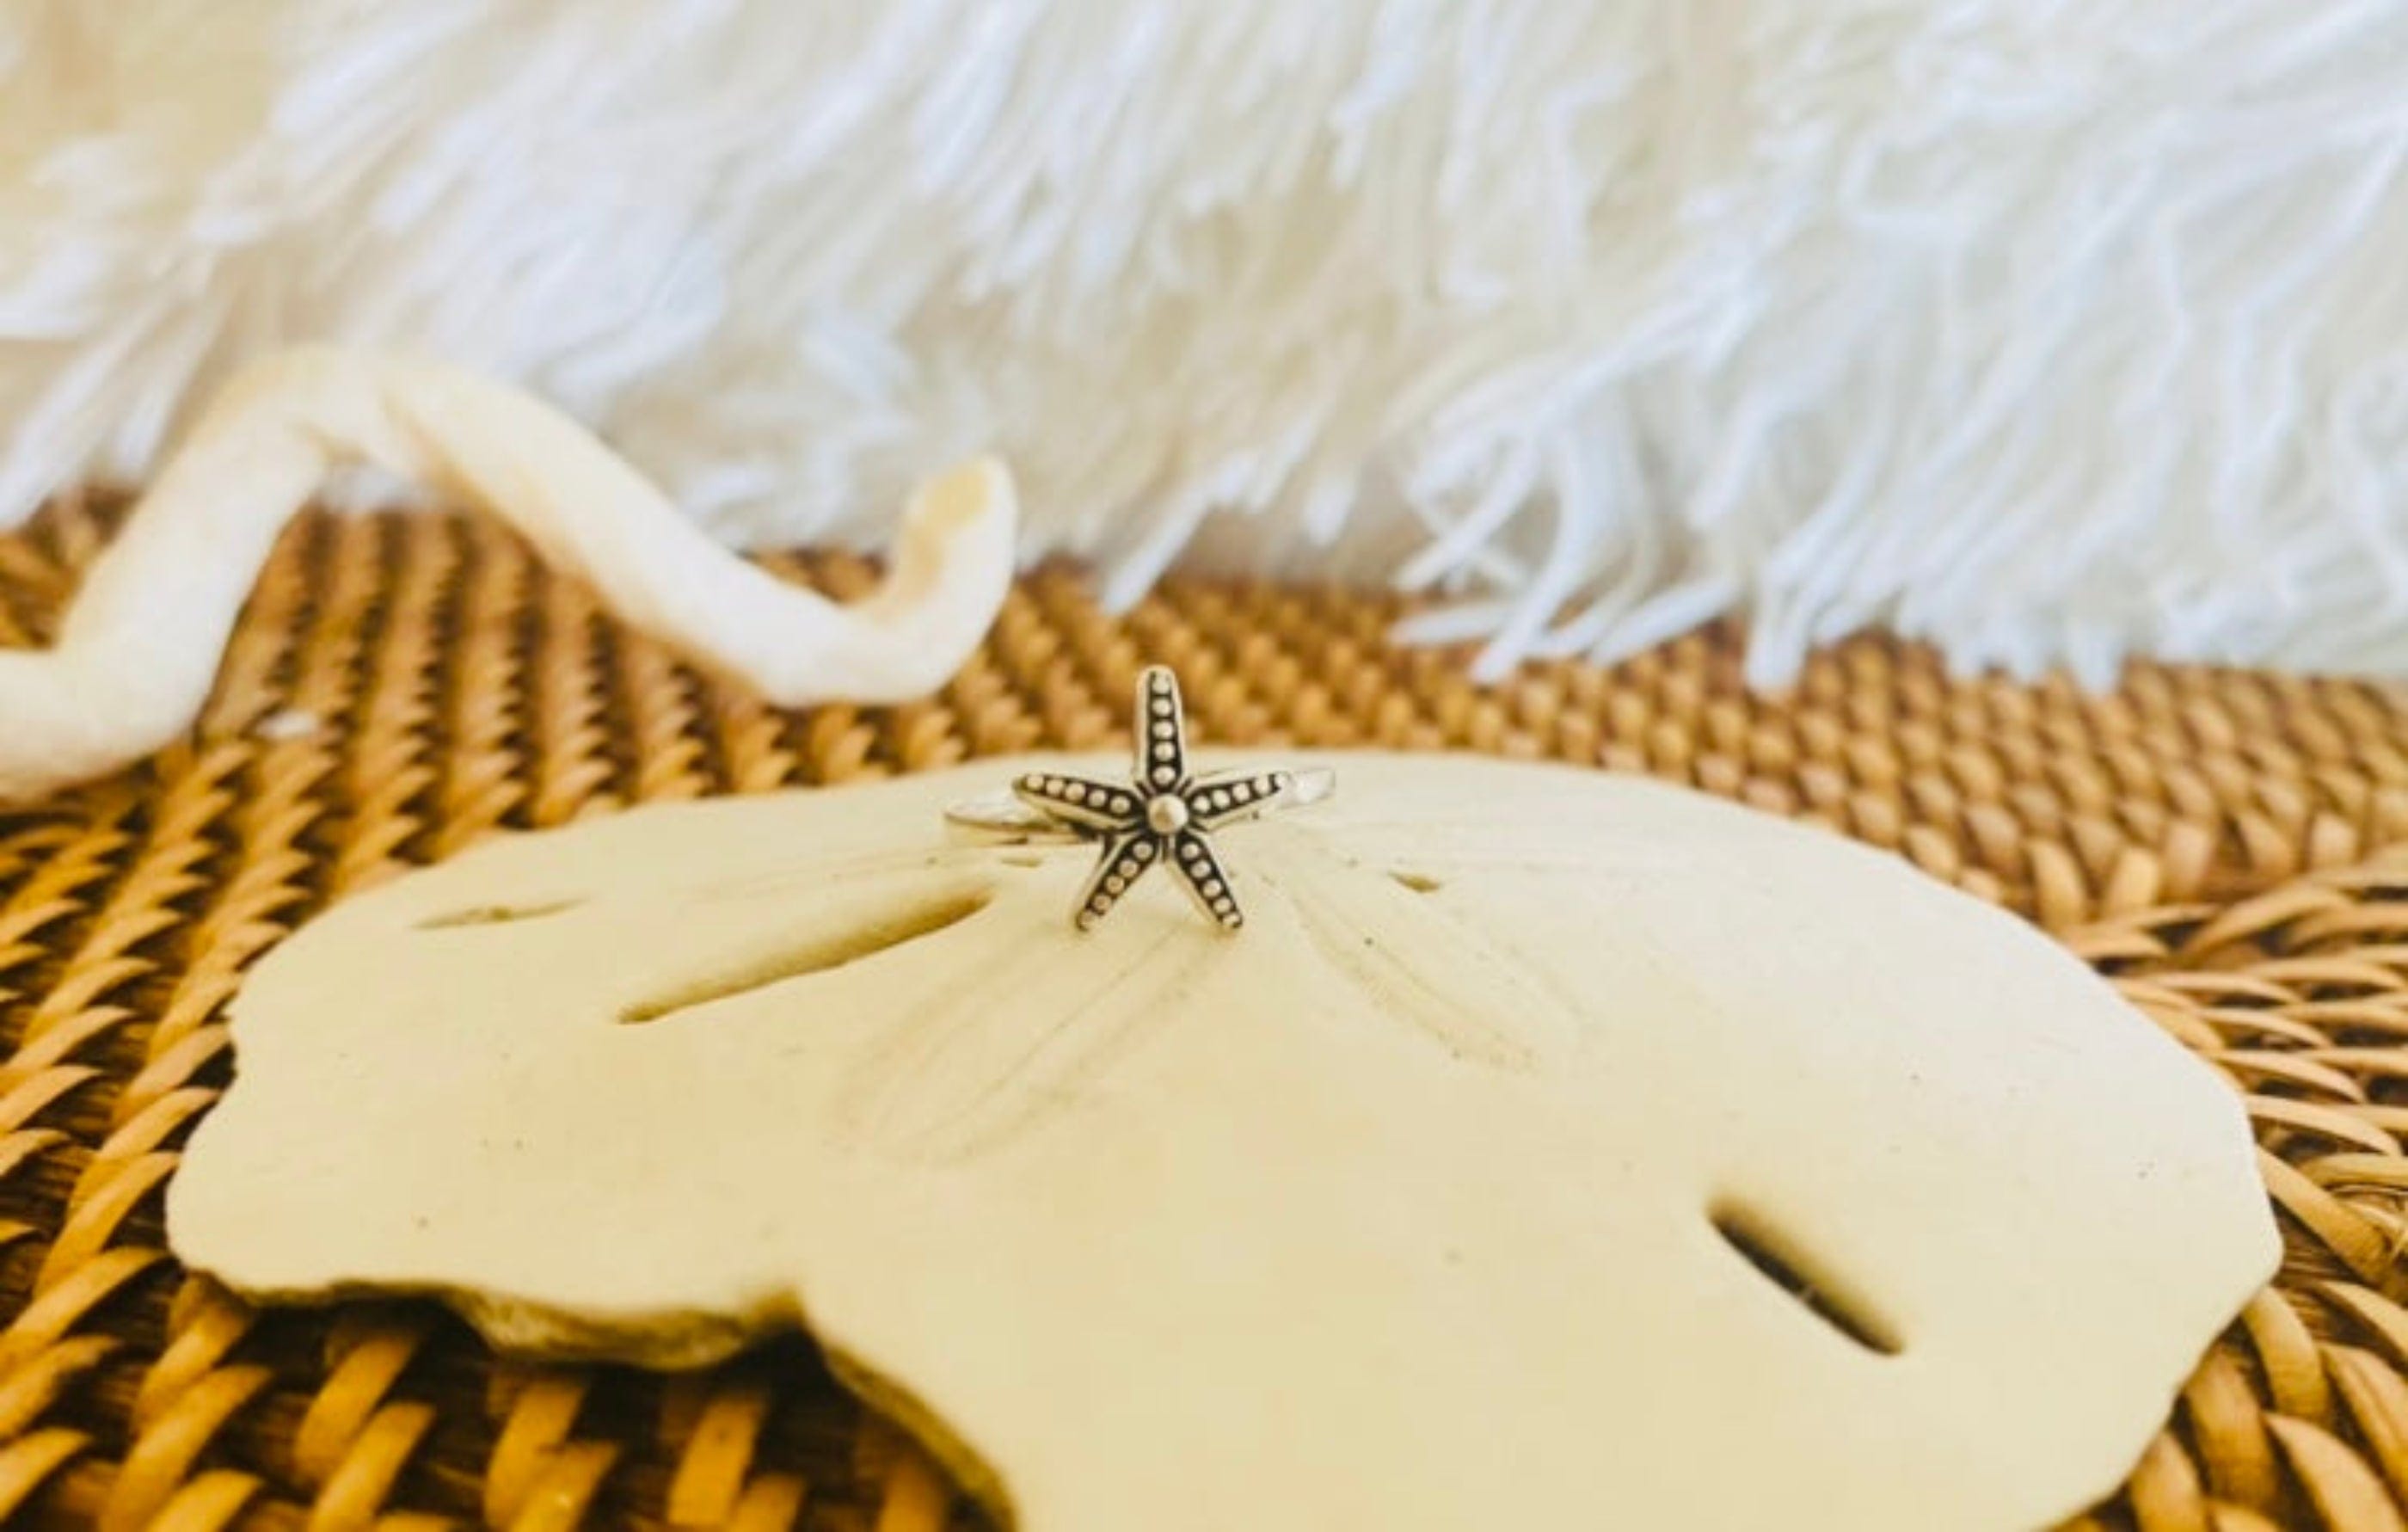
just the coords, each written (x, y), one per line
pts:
(1550, 1150)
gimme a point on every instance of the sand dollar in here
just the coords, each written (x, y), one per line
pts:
(1552, 1150)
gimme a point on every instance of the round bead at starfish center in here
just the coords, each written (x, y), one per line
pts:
(1166, 814)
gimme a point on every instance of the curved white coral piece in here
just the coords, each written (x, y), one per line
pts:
(137, 654)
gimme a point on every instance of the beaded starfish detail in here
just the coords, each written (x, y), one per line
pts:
(1163, 814)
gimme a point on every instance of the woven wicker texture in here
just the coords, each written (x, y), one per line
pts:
(402, 686)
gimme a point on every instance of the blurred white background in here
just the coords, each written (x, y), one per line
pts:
(2049, 331)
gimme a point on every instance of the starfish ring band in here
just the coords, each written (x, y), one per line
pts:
(1164, 813)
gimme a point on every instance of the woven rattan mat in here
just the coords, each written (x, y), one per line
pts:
(402, 686)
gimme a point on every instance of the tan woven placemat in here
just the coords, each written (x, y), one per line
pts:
(402, 686)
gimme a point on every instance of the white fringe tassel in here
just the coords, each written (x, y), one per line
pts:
(2050, 330)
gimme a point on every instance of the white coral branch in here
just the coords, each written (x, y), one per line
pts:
(138, 652)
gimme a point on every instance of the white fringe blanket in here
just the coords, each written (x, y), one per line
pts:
(2049, 329)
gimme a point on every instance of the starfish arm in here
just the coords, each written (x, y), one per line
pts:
(1161, 729)
(1228, 796)
(1206, 881)
(1126, 858)
(1080, 801)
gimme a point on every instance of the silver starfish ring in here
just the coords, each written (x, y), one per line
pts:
(1163, 813)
